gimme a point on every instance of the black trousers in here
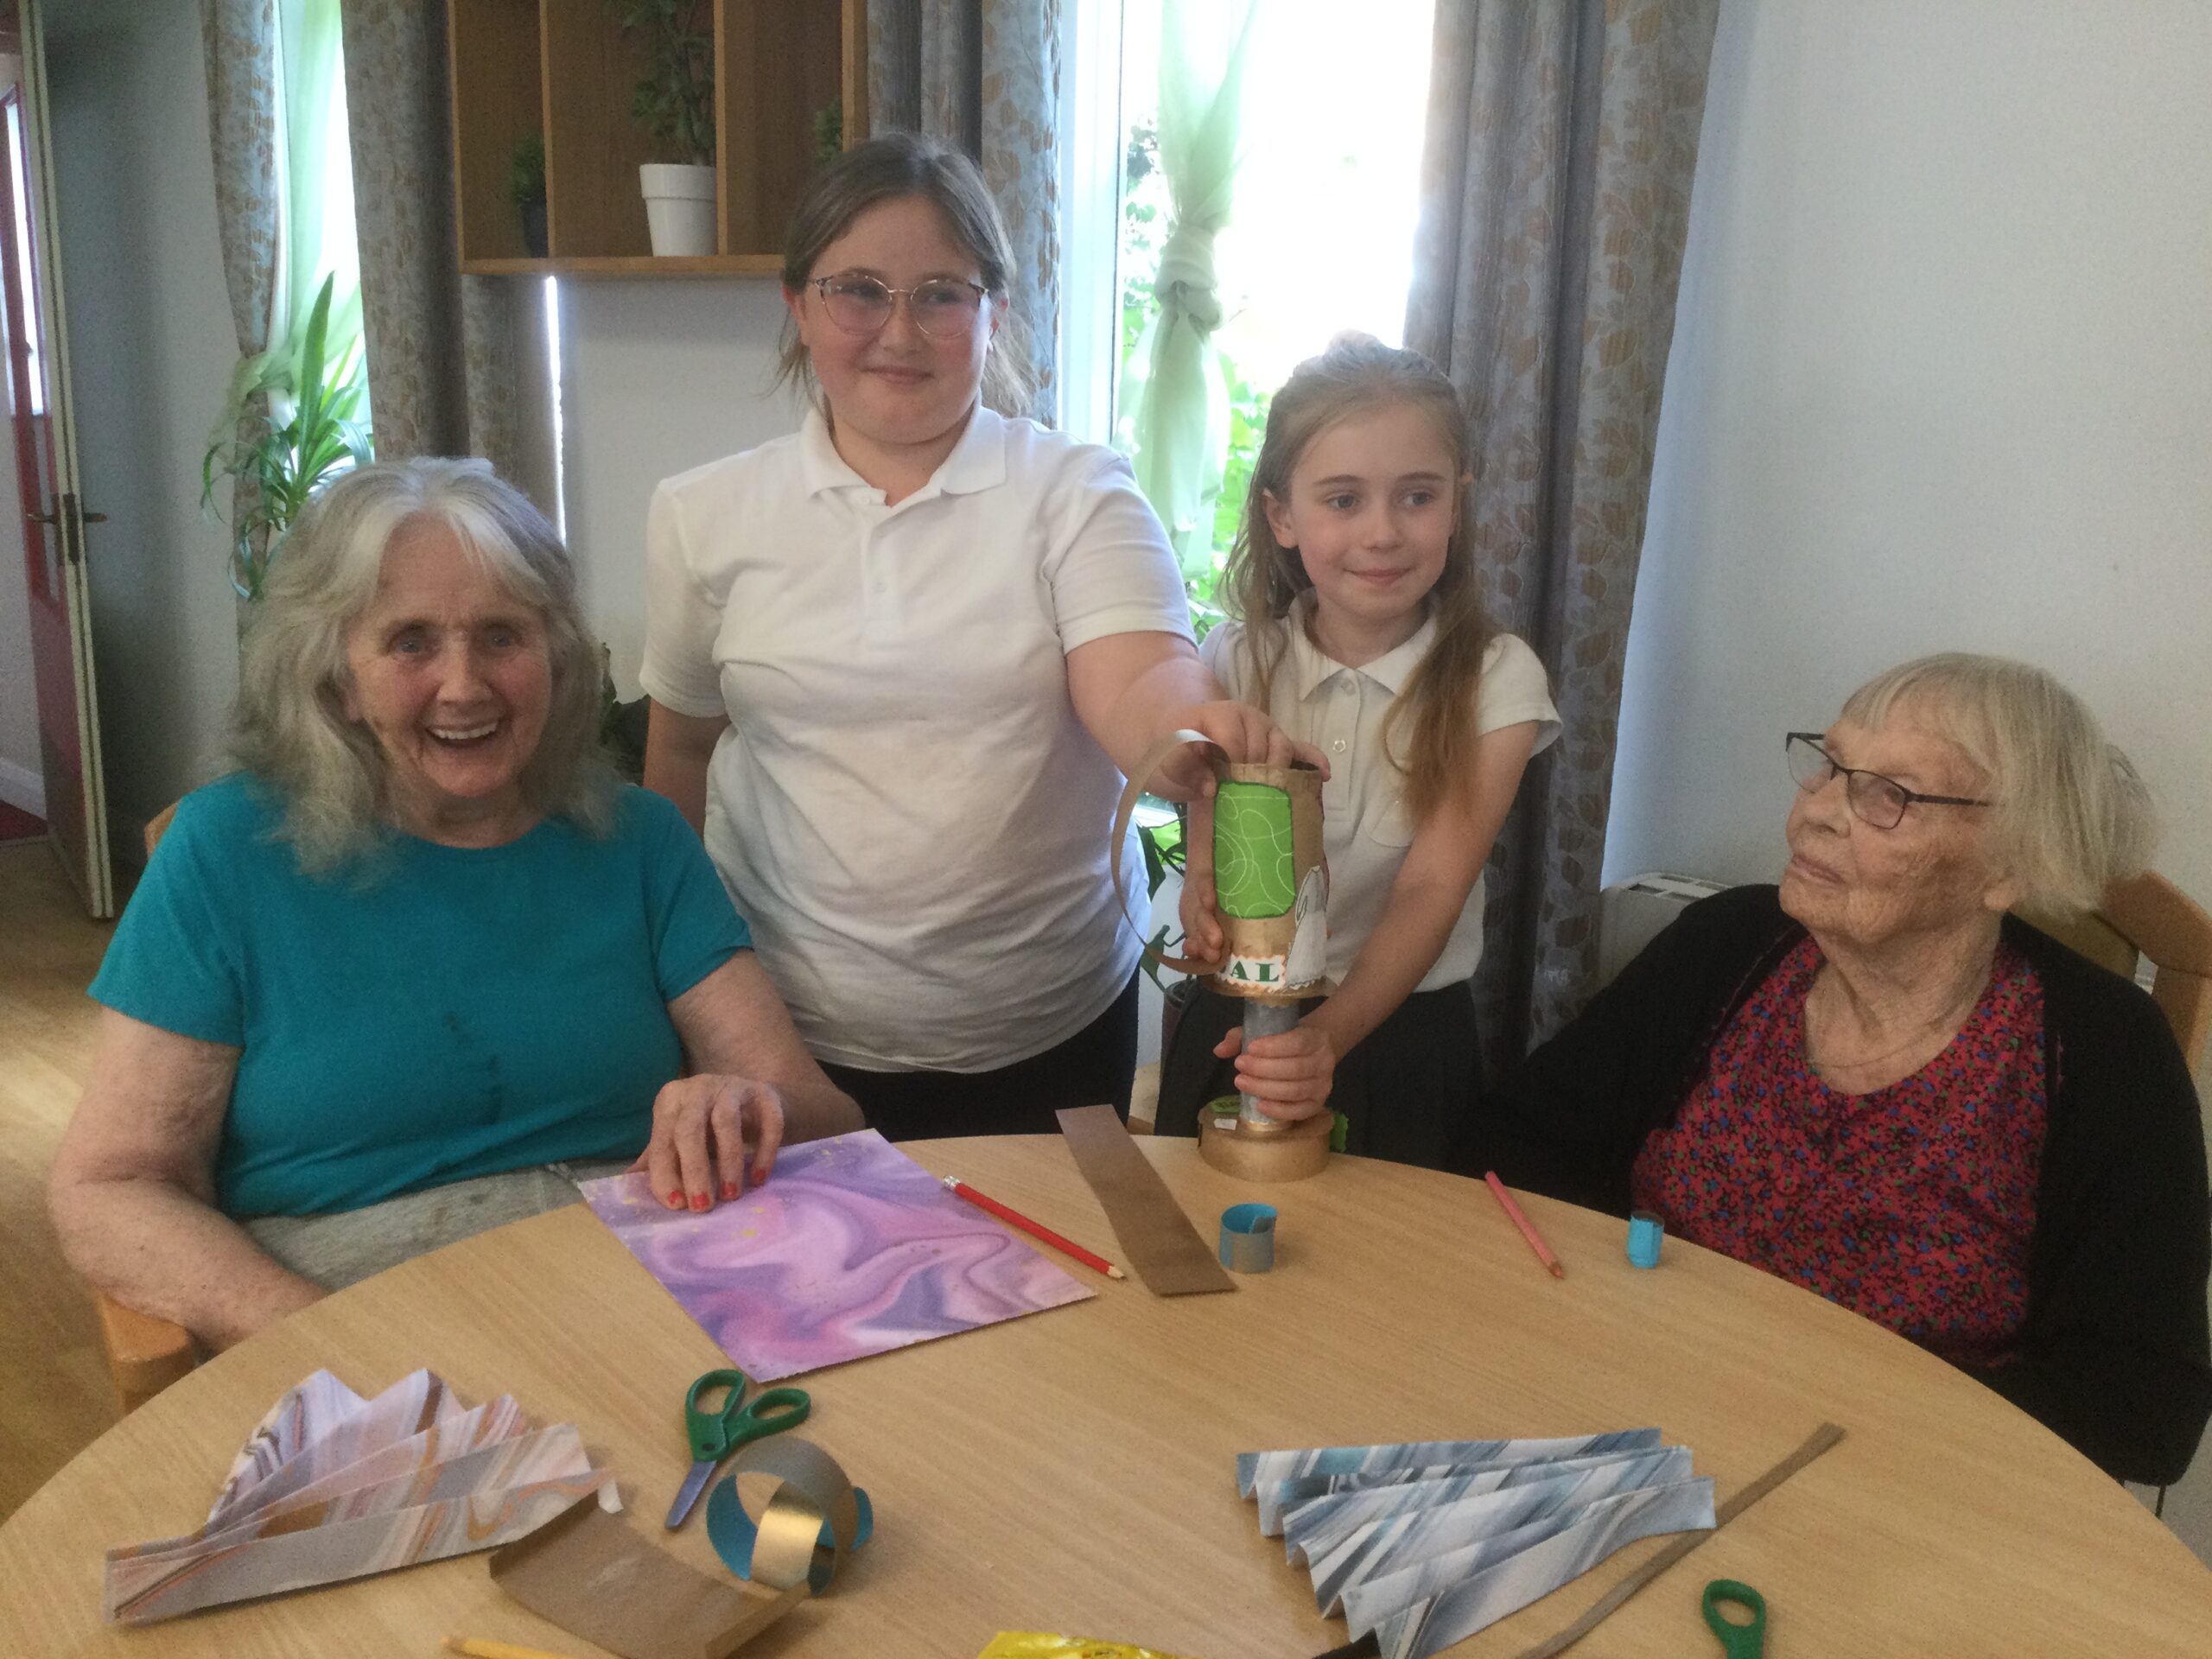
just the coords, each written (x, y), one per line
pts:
(1407, 1091)
(1099, 1064)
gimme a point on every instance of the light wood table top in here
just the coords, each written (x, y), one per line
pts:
(1073, 1471)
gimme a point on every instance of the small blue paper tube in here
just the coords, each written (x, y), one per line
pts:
(1646, 1233)
(1248, 1237)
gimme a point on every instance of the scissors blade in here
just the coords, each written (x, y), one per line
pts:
(688, 1494)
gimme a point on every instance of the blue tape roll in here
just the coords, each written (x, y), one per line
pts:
(1248, 1237)
(1646, 1233)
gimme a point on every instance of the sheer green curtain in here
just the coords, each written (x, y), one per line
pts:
(1181, 424)
(319, 240)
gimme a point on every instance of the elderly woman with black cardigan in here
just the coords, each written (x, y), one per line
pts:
(1877, 1082)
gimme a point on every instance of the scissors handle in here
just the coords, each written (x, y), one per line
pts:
(1738, 1641)
(708, 1431)
(771, 1413)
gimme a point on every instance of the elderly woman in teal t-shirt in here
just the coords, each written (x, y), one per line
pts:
(423, 956)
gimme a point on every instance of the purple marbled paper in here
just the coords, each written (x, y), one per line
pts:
(850, 1249)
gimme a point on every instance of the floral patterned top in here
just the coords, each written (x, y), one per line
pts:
(1913, 1205)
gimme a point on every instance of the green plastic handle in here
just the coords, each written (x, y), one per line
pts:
(1738, 1640)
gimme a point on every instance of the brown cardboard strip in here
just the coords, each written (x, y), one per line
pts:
(592, 1576)
(1156, 1237)
(1823, 1439)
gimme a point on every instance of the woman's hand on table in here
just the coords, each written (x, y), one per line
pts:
(1290, 1074)
(706, 1129)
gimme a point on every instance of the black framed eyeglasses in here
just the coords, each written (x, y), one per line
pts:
(1874, 799)
(943, 307)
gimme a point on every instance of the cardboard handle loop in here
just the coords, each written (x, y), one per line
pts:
(1126, 810)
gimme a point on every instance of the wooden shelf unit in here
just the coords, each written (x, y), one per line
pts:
(562, 67)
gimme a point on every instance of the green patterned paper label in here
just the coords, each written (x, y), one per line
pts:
(1252, 851)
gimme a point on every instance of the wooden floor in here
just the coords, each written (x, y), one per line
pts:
(55, 1397)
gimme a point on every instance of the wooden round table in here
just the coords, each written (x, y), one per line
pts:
(1073, 1471)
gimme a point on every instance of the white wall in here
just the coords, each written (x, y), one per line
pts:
(657, 377)
(1942, 377)
(152, 347)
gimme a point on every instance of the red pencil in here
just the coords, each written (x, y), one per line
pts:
(1528, 1227)
(1035, 1230)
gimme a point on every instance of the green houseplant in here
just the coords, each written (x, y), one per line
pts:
(297, 428)
(674, 102)
(526, 189)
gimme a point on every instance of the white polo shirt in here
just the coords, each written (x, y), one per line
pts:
(1365, 826)
(906, 808)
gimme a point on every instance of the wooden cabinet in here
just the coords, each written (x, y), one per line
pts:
(562, 67)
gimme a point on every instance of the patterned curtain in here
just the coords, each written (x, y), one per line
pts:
(1562, 134)
(240, 39)
(985, 74)
(441, 346)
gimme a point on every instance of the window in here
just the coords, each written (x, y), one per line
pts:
(1323, 200)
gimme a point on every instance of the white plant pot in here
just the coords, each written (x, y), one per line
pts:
(679, 207)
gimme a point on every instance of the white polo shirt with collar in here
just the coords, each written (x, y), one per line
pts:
(905, 808)
(1366, 828)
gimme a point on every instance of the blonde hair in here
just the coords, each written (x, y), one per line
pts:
(888, 168)
(2069, 814)
(1261, 583)
(289, 726)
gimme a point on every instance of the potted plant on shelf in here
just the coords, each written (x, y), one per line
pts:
(526, 189)
(304, 435)
(675, 103)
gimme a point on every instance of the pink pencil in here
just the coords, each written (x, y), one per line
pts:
(1528, 1227)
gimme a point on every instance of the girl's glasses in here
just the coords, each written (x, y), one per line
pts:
(1875, 800)
(943, 308)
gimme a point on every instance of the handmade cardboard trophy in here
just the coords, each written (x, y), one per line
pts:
(1271, 887)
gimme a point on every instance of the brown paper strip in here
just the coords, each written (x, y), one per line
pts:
(1156, 1237)
(1826, 1436)
(592, 1576)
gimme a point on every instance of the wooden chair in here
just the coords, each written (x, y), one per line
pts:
(145, 1354)
(2152, 918)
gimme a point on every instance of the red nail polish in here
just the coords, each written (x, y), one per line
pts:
(699, 1201)
(730, 1189)
(676, 1200)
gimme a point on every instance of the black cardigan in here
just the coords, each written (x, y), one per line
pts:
(2114, 1353)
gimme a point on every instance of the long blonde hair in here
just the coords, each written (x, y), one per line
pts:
(1357, 376)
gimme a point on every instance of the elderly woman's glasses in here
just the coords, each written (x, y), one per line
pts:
(1875, 800)
(943, 308)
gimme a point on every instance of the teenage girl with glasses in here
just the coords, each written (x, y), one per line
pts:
(896, 659)
(1360, 628)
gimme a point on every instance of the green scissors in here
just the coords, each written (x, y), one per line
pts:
(715, 1435)
(1738, 1641)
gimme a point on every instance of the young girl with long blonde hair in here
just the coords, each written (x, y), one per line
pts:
(1359, 627)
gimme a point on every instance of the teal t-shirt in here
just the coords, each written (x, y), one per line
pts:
(441, 1013)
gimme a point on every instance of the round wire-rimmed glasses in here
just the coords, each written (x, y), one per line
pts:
(1874, 799)
(943, 308)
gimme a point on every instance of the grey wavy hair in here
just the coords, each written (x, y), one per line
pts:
(2071, 814)
(887, 167)
(290, 727)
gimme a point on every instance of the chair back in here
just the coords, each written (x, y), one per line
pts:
(2151, 918)
(145, 1354)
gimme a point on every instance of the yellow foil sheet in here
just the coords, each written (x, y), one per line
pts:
(1036, 1644)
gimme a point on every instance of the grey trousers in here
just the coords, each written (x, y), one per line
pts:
(337, 1250)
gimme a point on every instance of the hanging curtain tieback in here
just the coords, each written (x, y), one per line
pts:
(1185, 282)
